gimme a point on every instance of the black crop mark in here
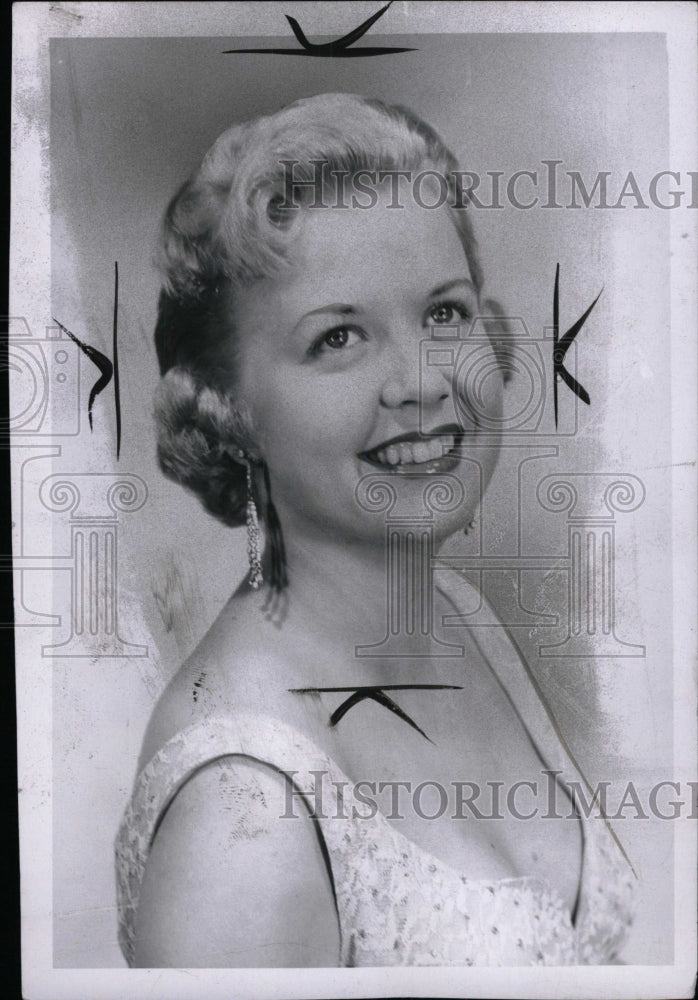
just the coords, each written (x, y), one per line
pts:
(107, 368)
(338, 49)
(377, 694)
(97, 358)
(561, 345)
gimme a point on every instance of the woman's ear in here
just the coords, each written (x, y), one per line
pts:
(501, 334)
(236, 453)
(239, 440)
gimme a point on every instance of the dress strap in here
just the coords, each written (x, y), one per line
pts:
(515, 678)
(520, 686)
(313, 775)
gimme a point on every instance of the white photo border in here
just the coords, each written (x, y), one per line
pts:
(34, 25)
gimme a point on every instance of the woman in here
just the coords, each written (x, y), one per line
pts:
(297, 302)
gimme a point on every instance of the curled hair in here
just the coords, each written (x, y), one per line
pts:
(199, 431)
(223, 229)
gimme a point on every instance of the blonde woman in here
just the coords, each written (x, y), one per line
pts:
(290, 333)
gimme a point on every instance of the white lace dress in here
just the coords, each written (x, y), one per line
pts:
(396, 903)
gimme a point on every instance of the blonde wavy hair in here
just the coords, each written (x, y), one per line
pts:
(223, 229)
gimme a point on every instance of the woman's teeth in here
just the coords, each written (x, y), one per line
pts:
(416, 452)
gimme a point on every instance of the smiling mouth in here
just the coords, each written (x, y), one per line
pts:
(432, 452)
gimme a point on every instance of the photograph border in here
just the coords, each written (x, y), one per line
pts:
(30, 296)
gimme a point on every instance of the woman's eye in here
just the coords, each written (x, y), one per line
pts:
(335, 340)
(447, 313)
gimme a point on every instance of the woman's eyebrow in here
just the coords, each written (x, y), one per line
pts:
(448, 285)
(334, 309)
(342, 308)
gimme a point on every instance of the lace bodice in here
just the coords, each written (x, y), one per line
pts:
(396, 903)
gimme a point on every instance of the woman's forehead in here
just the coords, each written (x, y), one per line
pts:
(366, 246)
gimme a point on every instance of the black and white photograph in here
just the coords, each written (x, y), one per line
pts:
(352, 370)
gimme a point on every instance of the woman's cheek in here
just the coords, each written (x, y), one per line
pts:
(492, 396)
(496, 403)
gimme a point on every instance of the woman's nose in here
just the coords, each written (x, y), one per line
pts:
(409, 381)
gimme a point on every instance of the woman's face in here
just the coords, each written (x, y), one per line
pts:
(338, 370)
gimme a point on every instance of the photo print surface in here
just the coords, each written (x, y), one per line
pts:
(351, 367)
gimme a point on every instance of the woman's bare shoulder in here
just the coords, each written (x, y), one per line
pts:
(236, 879)
(221, 676)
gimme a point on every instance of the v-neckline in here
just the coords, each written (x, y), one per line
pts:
(508, 666)
(255, 734)
(511, 672)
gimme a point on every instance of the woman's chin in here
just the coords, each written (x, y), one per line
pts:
(446, 499)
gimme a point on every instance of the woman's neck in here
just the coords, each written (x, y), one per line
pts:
(339, 590)
(346, 596)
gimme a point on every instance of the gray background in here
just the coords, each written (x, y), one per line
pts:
(130, 118)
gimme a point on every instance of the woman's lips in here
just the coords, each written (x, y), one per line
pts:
(429, 453)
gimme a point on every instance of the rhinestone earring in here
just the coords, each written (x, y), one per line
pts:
(252, 521)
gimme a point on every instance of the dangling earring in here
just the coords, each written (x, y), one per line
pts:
(252, 521)
(279, 575)
(469, 527)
